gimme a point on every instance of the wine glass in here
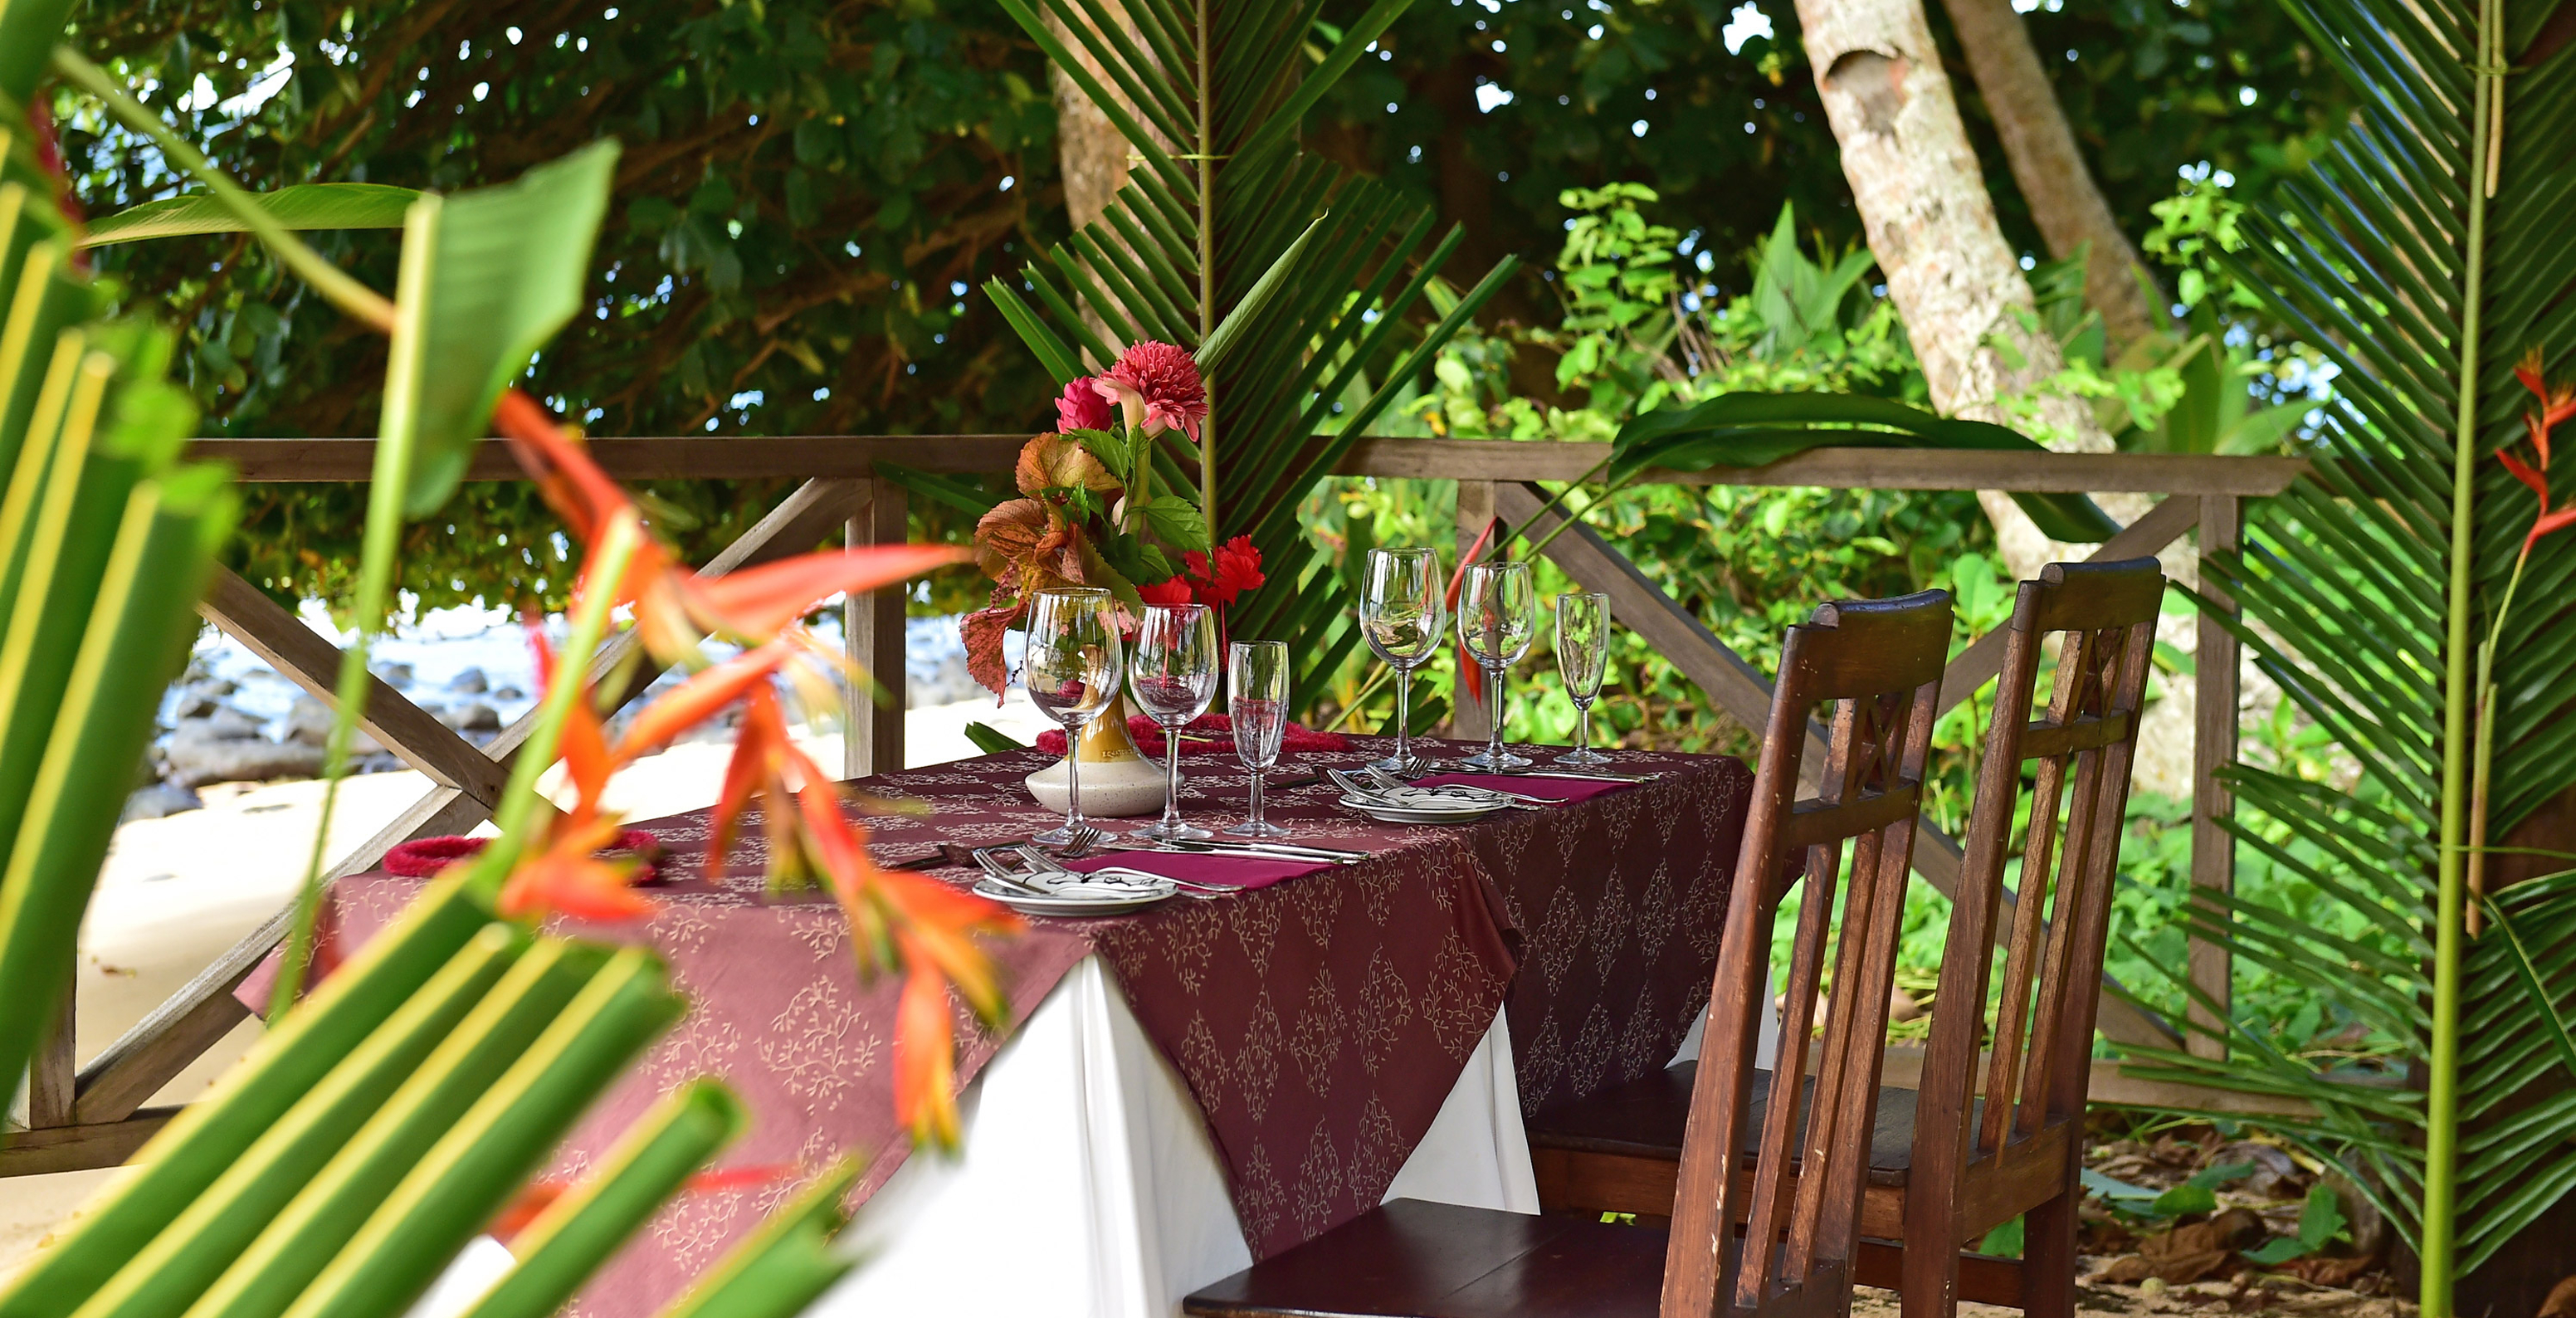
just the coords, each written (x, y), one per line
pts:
(1496, 615)
(1072, 674)
(1403, 611)
(1256, 695)
(1582, 653)
(1172, 674)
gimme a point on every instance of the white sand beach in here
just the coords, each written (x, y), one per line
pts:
(178, 890)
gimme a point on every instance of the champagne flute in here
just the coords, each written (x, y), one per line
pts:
(1402, 613)
(1256, 695)
(1172, 674)
(1582, 653)
(1497, 615)
(1072, 674)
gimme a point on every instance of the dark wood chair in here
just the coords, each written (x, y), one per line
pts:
(1947, 1166)
(1878, 663)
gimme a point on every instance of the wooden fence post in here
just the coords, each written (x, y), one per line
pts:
(50, 1074)
(872, 629)
(1469, 720)
(2213, 849)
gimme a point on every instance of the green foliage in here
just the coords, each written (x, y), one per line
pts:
(1291, 281)
(2321, 1223)
(302, 206)
(805, 191)
(2361, 585)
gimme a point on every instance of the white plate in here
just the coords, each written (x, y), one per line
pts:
(1129, 899)
(1465, 812)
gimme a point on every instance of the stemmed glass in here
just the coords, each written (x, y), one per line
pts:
(1172, 675)
(1403, 611)
(1582, 652)
(1256, 696)
(1497, 614)
(1072, 674)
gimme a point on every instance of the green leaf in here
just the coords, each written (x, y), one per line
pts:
(302, 206)
(2004, 1241)
(2277, 1251)
(1221, 341)
(1756, 429)
(2184, 1200)
(2114, 1191)
(1178, 522)
(2321, 1221)
(991, 740)
(487, 277)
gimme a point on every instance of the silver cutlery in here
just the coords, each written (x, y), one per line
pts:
(1470, 791)
(1044, 863)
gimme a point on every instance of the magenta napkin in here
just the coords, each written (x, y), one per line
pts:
(1568, 790)
(1230, 871)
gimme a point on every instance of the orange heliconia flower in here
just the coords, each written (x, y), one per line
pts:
(2556, 405)
(899, 922)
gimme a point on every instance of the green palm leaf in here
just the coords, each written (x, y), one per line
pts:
(1289, 278)
(2423, 275)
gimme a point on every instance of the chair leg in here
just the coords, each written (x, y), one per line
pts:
(2048, 1258)
(1928, 1285)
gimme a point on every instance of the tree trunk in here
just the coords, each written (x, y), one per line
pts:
(1093, 155)
(2064, 200)
(1956, 283)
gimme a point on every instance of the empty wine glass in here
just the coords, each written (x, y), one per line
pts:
(1582, 653)
(1072, 674)
(1256, 695)
(1403, 611)
(1172, 675)
(1497, 613)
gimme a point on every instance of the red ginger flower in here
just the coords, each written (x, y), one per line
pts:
(1083, 408)
(2556, 405)
(1159, 388)
(1236, 569)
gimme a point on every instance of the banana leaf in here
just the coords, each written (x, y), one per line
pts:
(1745, 430)
(302, 206)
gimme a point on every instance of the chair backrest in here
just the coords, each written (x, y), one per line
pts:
(2034, 1078)
(1879, 663)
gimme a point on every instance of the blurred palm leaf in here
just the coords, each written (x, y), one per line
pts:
(1224, 217)
(2371, 253)
(303, 206)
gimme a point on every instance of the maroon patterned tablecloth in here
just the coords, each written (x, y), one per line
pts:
(1320, 1022)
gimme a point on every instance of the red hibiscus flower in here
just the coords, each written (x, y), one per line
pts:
(1158, 387)
(1083, 408)
(1236, 569)
(1174, 591)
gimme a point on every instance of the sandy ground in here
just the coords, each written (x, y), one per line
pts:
(177, 891)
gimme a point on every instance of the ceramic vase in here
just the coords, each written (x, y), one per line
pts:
(1118, 780)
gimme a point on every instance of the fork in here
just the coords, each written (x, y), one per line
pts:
(1047, 864)
(1392, 784)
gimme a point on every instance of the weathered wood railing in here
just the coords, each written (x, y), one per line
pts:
(94, 1115)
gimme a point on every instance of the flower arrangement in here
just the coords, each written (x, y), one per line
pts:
(1088, 514)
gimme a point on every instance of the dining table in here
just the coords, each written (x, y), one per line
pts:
(1182, 1089)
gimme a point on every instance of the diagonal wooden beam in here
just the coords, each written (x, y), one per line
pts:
(1741, 689)
(129, 1071)
(264, 626)
(1977, 665)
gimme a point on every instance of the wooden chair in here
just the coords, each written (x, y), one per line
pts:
(1879, 663)
(1622, 1150)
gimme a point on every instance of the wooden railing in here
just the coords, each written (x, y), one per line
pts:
(94, 1116)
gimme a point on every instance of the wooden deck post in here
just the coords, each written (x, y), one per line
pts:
(2213, 849)
(1469, 720)
(872, 630)
(50, 1073)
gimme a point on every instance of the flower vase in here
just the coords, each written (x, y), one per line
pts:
(1118, 780)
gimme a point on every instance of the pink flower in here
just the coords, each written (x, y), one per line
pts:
(1082, 408)
(1158, 387)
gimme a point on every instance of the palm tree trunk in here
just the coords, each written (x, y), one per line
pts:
(2049, 169)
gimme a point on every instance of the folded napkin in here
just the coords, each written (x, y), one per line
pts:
(422, 857)
(1568, 790)
(1224, 871)
(1208, 734)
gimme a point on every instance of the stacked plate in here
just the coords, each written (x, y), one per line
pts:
(1107, 892)
(1417, 805)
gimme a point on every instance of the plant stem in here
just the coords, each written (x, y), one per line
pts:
(1207, 277)
(336, 286)
(2442, 1097)
(385, 495)
(2482, 764)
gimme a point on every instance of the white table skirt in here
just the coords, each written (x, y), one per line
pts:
(1088, 1187)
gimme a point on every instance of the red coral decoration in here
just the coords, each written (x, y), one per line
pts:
(1159, 387)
